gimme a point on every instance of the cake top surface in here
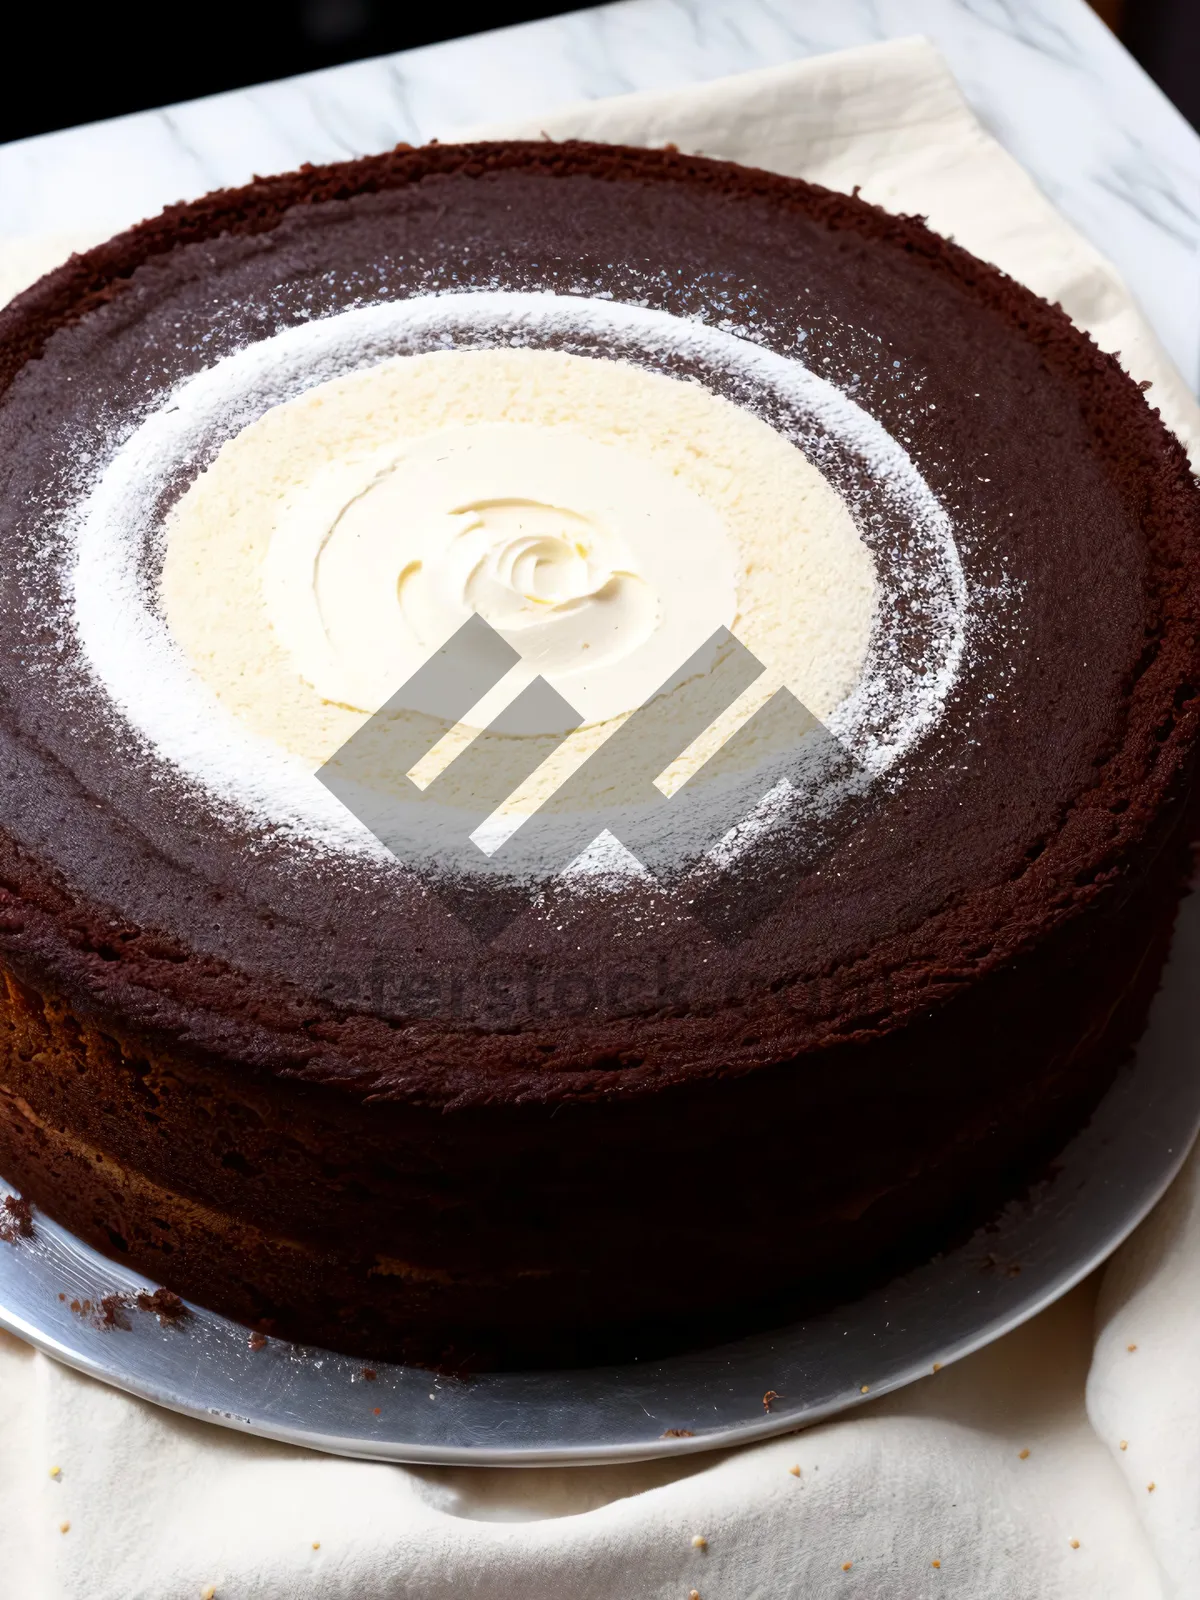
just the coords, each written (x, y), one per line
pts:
(591, 412)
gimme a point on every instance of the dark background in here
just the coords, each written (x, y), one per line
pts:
(102, 61)
(66, 65)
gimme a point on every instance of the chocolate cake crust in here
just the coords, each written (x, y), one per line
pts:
(208, 1029)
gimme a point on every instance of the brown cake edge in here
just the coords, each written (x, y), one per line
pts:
(683, 1266)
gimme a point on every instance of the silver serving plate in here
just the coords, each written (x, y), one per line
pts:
(1104, 1183)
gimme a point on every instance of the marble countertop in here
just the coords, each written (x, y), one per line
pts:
(1045, 76)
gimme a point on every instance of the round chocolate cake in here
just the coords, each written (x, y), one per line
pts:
(596, 746)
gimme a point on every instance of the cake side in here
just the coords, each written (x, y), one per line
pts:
(468, 1240)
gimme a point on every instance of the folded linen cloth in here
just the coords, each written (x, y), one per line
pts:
(1022, 1473)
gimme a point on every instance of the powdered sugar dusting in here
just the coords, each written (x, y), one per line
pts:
(130, 654)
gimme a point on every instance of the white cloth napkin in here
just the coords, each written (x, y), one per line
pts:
(1001, 1478)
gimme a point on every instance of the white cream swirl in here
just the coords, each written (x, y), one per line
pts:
(602, 569)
